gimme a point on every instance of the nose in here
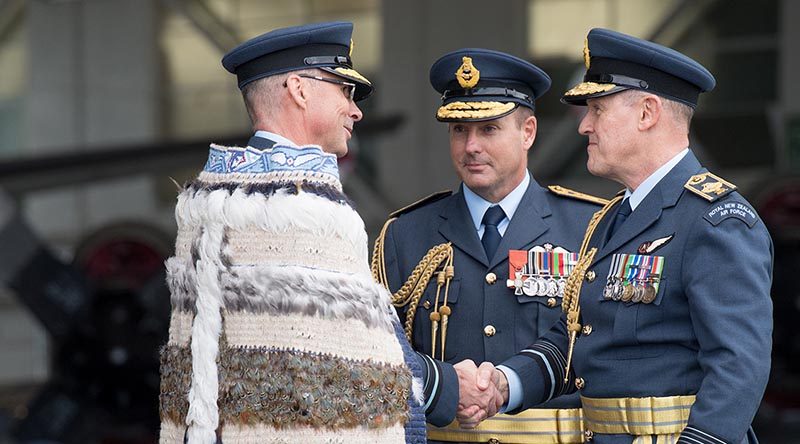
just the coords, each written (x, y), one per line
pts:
(585, 127)
(355, 112)
(471, 144)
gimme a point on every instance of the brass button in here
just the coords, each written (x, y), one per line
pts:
(426, 305)
(491, 278)
(489, 330)
(493, 441)
(579, 383)
(590, 275)
(589, 435)
(551, 302)
(587, 329)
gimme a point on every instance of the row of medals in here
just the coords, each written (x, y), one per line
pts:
(544, 286)
(630, 291)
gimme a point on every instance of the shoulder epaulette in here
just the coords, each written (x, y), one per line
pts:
(422, 202)
(561, 191)
(709, 186)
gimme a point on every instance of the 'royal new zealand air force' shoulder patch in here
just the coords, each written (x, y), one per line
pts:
(731, 209)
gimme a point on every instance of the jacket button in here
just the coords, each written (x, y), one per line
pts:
(589, 435)
(551, 302)
(491, 278)
(489, 330)
(587, 329)
(590, 275)
(426, 305)
(579, 383)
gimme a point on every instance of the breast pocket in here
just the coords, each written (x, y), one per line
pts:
(534, 316)
(631, 321)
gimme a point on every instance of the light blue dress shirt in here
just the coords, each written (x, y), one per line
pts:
(477, 205)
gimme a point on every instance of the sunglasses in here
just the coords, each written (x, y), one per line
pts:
(348, 88)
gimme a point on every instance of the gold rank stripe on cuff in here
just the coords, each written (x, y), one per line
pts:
(637, 416)
(533, 426)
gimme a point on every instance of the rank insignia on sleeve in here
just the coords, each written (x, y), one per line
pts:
(709, 186)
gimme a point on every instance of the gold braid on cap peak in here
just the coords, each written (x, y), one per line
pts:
(589, 88)
(473, 110)
(352, 73)
(572, 290)
(439, 257)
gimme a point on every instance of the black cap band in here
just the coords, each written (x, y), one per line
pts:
(634, 75)
(292, 59)
(489, 91)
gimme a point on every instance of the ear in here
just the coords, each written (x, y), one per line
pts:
(529, 127)
(298, 90)
(651, 107)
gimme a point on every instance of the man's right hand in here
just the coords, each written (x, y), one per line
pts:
(482, 392)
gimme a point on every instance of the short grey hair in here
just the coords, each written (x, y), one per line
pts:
(261, 96)
(681, 112)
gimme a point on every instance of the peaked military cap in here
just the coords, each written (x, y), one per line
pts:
(481, 84)
(616, 62)
(326, 46)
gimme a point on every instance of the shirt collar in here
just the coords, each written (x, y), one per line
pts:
(478, 205)
(278, 139)
(636, 197)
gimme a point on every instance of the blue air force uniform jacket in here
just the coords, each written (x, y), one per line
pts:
(707, 332)
(488, 322)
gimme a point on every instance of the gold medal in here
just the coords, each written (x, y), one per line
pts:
(648, 294)
(627, 293)
(638, 293)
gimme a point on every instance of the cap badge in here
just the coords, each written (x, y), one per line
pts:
(350, 54)
(467, 74)
(586, 56)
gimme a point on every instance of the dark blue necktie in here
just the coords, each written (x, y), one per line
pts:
(491, 235)
(623, 212)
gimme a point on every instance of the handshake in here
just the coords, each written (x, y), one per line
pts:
(482, 391)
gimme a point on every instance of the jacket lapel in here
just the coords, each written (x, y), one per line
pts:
(664, 195)
(457, 228)
(527, 224)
